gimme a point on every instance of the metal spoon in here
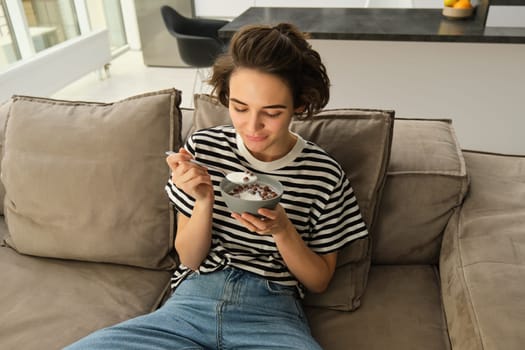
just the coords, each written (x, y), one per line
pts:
(236, 177)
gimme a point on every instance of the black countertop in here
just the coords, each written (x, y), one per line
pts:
(379, 24)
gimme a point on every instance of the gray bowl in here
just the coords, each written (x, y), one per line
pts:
(240, 206)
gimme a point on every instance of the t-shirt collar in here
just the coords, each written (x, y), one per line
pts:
(274, 164)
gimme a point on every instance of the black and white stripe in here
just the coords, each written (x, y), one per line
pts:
(318, 199)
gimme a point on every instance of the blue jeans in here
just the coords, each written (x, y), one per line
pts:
(228, 309)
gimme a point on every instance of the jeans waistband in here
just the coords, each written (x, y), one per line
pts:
(233, 285)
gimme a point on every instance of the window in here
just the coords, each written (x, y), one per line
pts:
(50, 22)
(31, 26)
(107, 14)
(9, 52)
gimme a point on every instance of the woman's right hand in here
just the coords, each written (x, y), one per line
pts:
(193, 179)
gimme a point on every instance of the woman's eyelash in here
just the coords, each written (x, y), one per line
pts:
(241, 110)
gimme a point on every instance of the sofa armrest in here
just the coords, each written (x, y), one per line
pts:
(482, 261)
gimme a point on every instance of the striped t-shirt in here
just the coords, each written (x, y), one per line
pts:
(318, 199)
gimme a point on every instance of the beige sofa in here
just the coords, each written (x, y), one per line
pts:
(87, 231)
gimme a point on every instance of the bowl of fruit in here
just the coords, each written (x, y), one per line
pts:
(457, 9)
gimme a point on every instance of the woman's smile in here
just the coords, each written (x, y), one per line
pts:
(255, 138)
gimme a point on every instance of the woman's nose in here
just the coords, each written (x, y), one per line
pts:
(254, 122)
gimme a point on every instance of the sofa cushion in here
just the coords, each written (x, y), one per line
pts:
(187, 122)
(86, 180)
(401, 310)
(482, 262)
(49, 303)
(4, 110)
(426, 180)
(360, 141)
(4, 233)
(209, 112)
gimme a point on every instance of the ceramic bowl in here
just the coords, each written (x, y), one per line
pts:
(238, 205)
(457, 13)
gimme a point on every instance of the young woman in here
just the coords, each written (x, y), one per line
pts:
(242, 276)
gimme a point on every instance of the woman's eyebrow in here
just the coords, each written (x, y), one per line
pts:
(265, 107)
(237, 101)
(274, 106)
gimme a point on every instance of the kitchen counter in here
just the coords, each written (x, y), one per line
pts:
(385, 24)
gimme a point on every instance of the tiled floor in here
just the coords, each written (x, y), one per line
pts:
(129, 76)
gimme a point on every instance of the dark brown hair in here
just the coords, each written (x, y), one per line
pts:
(281, 50)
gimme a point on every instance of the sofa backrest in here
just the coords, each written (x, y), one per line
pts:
(426, 180)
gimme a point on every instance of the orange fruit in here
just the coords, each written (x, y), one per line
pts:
(462, 4)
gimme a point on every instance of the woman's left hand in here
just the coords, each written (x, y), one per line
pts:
(270, 221)
(312, 270)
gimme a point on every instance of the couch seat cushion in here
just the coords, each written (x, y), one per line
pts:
(483, 257)
(49, 303)
(401, 310)
(85, 180)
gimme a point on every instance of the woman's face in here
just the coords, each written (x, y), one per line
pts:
(261, 109)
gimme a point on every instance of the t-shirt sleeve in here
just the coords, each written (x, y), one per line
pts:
(340, 221)
(182, 202)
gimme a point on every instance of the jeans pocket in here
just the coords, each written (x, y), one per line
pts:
(286, 299)
(186, 286)
(192, 275)
(279, 289)
(301, 313)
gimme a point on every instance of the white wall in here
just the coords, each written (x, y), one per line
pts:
(233, 8)
(479, 86)
(506, 16)
(221, 9)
